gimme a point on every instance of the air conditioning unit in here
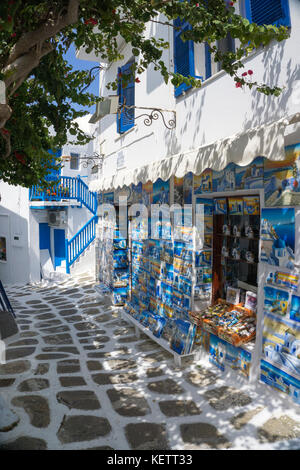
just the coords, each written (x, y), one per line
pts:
(57, 218)
(109, 105)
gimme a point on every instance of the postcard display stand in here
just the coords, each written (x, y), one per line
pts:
(113, 255)
(162, 274)
(250, 220)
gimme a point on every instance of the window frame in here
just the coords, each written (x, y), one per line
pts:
(121, 125)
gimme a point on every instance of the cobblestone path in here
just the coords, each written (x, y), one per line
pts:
(78, 378)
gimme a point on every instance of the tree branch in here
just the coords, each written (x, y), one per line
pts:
(45, 32)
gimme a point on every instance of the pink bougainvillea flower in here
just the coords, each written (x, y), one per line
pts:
(250, 72)
(244, 74)
(137, 80)
(238, 84)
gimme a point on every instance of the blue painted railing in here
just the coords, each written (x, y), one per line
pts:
(86, 197)
(67, 187)
(80, 242)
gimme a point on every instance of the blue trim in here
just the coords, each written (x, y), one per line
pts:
(179, 64)
(59, 246)
(207, 62)
(80, 242)
(253, 7)
(125, 120)
(44, 237)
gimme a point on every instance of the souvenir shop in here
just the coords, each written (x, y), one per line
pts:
(230, 290)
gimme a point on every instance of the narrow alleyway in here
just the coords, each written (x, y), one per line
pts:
(78, 378)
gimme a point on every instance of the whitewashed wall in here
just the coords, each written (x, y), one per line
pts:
(14, 220)
(215, 111)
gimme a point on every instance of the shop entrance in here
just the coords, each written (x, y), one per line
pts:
(236, 225)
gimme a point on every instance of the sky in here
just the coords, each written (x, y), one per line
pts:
(83, 65)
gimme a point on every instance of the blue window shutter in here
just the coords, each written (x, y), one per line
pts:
(183, 55)
(207, 62)
(125, 119)
(274, 12)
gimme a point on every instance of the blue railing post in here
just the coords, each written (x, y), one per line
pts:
(67, 256)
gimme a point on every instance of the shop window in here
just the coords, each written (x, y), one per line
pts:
(126, 92)
(74, 161)
(235, 246)
(274, 12)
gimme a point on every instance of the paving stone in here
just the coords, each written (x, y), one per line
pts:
(177, 408)
(14, 368)
(147, 346)
(17, 353)
(167, 386)
(201, 377)
(108, 354)
(278, 429)
(68, 366)
(33, 302)
(25, 443)
(147, 436)
(45, 316)
(36, 407)
(91, 311)
(95, 347)
(83, 326)
(73, 319)
(120, 364)
(159, 356)
(225, 398)
(47, 357)
(94, 335)
(79, 399)
(8, 418)
(66, 312)
(42, 369)
(33, 385)
(48, 324)
(128, 402)
(56, 329)
(58, 339)
(123, 331)
(66, 349)
(128, 339)
(100, 448)
(154, 372)
(70, 291)
(74, 381)
(94, 365)
(242, 419)
(202, 436)
(114, 379)
(6, 382)
(24, 342)
(82, 428)
(103, 318)
(24, 322)
(24, 328)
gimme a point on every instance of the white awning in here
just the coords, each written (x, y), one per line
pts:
(264, 141)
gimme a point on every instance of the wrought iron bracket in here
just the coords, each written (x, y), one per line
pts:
(96, 159)
(153, 115)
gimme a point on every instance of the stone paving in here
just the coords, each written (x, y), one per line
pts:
(78, 378)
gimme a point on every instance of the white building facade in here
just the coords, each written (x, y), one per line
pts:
(234, 143)
(26, 230)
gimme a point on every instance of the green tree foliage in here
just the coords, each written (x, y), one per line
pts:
(41, 88)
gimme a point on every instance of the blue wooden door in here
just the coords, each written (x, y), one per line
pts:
(59, 246)
(45, 237)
